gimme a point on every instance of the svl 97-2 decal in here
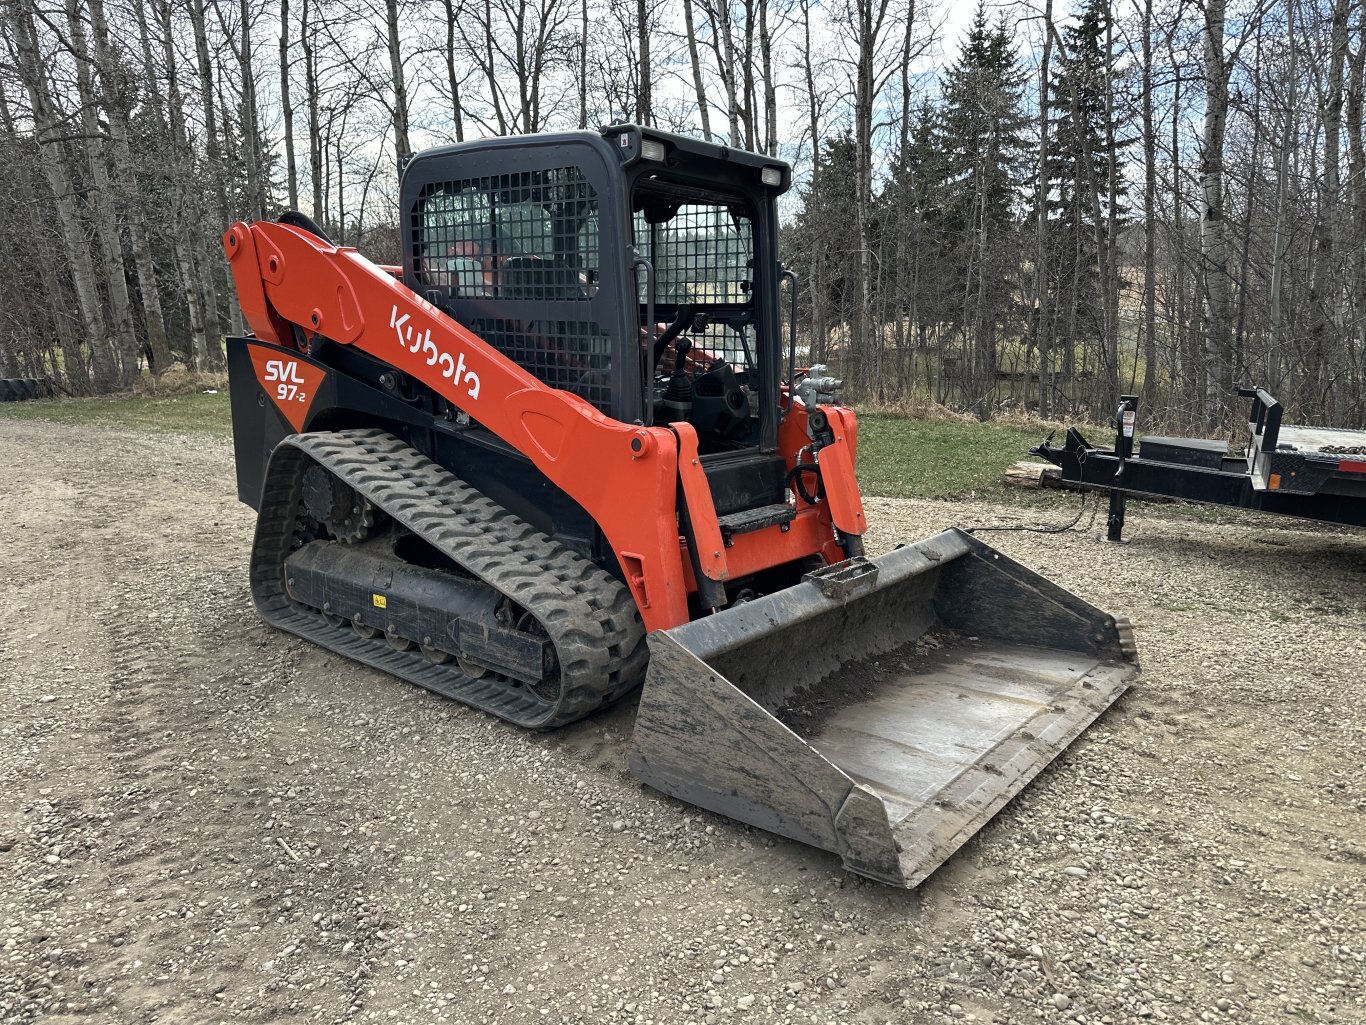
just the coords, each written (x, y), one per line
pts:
(288, 382)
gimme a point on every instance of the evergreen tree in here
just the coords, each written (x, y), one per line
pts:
(977, 213)
(911, 203)
(907, 210)
(1083, 148)
(823, 243)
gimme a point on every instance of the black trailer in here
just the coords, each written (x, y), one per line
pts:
(1314, 473)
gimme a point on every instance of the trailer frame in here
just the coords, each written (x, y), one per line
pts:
(1312, 473)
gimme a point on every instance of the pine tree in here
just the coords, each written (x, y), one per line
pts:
(1084, 145)
(908, 210)
(823, 240)
(911, 202)
(982, 157)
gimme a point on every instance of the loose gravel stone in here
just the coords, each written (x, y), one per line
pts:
(214, 821)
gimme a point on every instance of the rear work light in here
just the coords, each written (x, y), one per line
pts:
(771, 176)
(652, 149)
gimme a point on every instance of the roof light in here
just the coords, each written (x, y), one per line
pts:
(651, 149)
(771, 176)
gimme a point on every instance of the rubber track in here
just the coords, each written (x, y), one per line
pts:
(589, 616)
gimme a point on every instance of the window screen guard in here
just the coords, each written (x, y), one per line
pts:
(517, 258)
(703, 255)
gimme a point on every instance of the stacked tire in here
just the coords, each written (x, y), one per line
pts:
(20, 389)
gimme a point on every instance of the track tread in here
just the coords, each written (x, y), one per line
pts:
(590, 616)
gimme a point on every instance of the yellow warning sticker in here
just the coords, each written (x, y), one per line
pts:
(380, 601)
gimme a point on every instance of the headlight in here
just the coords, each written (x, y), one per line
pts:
(771, 176)
(652, 149)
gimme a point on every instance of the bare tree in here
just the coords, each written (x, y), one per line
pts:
(47, 123)
(128, 191)
(1214, 244)
(703, 105)
(287, 107)
(102, 204)
(454, 10)
(401, 145)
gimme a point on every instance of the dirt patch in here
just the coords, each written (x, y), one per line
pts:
(206, 820)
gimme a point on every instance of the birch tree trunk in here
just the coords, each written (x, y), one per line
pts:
(308, 36)
(1281, 346)
(101, 198)
(453, 79)
(185, 204)
(907, 216)
(1110, 249)
(77, 373)
(816, 350)
(149, 75)
(703, 107)
(200, 294)
(214, 272)
(1149, 325)
(644, 113)
(251, 135)
(104, 365)
(723, 42)
(287, 108)
(748, 105)
(770, 87)
(1355, 335)
(172, 125)
(1327, 349)
(866, 342)
(1042, 324)
(129, 191)
(491, 70)
(583, 62)
(1213, 240)
(401, 146)
(1188, 340)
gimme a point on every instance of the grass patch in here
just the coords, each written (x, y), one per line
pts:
(898, 457)
(176, 414)
(902, 458)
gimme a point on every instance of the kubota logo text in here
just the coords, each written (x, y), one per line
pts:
(420, 342)
(284, 375)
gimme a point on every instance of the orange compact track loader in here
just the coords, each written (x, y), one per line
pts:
(564, 449)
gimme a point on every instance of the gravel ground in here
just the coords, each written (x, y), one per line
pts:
(204, 820)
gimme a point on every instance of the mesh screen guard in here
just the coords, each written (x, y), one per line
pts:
(517, 258)
(534, 261)
(703, 255)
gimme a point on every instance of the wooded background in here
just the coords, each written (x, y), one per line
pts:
(1050, 207)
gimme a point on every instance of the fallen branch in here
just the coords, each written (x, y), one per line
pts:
(288, 850)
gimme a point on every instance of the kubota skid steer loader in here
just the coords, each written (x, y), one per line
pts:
(560, 443)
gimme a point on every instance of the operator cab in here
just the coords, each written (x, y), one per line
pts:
(633, 268)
